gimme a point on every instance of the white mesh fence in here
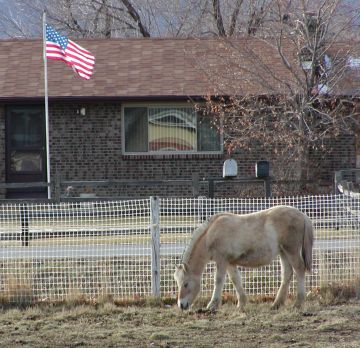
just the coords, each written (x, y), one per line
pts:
(52, 251)
(129, 249)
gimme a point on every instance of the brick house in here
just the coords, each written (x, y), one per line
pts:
(120, 124)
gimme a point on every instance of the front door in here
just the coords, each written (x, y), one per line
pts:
(25, 150)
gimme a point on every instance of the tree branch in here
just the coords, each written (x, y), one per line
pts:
(218, 18)
(135, 16)
(234, 17)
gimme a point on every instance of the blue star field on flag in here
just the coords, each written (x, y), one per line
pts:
(52, 35)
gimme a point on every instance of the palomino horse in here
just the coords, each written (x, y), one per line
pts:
(250, 240)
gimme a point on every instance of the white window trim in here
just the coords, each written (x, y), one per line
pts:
(162, 153)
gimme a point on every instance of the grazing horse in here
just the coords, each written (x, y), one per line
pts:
(250, 240)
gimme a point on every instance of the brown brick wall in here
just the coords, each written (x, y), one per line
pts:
(89, 148)
(85, 147)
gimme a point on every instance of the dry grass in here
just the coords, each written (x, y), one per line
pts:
(156, 324)
(16, 293)
(338, 293)
(330, 315)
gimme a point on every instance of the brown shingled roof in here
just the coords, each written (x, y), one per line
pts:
(129, 68)
(124, 68)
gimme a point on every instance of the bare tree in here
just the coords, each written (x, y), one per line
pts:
(79, 18)
(105, 18)
(144, 18)
(240, 17)
(292, 89)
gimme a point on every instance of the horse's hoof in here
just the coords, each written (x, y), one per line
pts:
(241, 307)
(212, 308)
(275, 306)
(205, 311)
(201, 311)
(297, 305)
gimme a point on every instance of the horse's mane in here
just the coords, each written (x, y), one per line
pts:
(195, 236)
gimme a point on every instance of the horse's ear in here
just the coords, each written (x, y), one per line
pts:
(182, 267)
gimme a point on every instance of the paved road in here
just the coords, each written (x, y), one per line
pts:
(128, 250)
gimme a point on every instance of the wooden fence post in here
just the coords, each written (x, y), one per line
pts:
(24, 219)
(155, 245)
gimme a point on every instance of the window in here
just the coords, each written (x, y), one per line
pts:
(165, 129)
(25, 140)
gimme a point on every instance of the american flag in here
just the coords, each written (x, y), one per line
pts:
(59, 47)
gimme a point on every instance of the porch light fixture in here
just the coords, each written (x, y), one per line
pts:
(81, 111)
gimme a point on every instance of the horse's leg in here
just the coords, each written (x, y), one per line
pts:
(299, 267)
(219, 284)
(234, 275)
(286, 275)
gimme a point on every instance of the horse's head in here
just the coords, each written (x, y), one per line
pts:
(189, 286)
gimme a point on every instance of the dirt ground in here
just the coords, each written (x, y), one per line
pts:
(108, 325)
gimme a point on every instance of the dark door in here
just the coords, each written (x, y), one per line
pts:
(25, 150)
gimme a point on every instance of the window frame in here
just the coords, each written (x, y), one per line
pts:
(163, 153)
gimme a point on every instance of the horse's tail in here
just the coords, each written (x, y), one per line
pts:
(308, 240)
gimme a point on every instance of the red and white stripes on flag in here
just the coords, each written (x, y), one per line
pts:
(59, 47)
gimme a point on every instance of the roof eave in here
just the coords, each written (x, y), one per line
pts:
(36, 100)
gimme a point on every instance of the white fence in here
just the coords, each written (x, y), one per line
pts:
(129, 249)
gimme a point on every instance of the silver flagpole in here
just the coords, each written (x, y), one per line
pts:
(46, 108)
